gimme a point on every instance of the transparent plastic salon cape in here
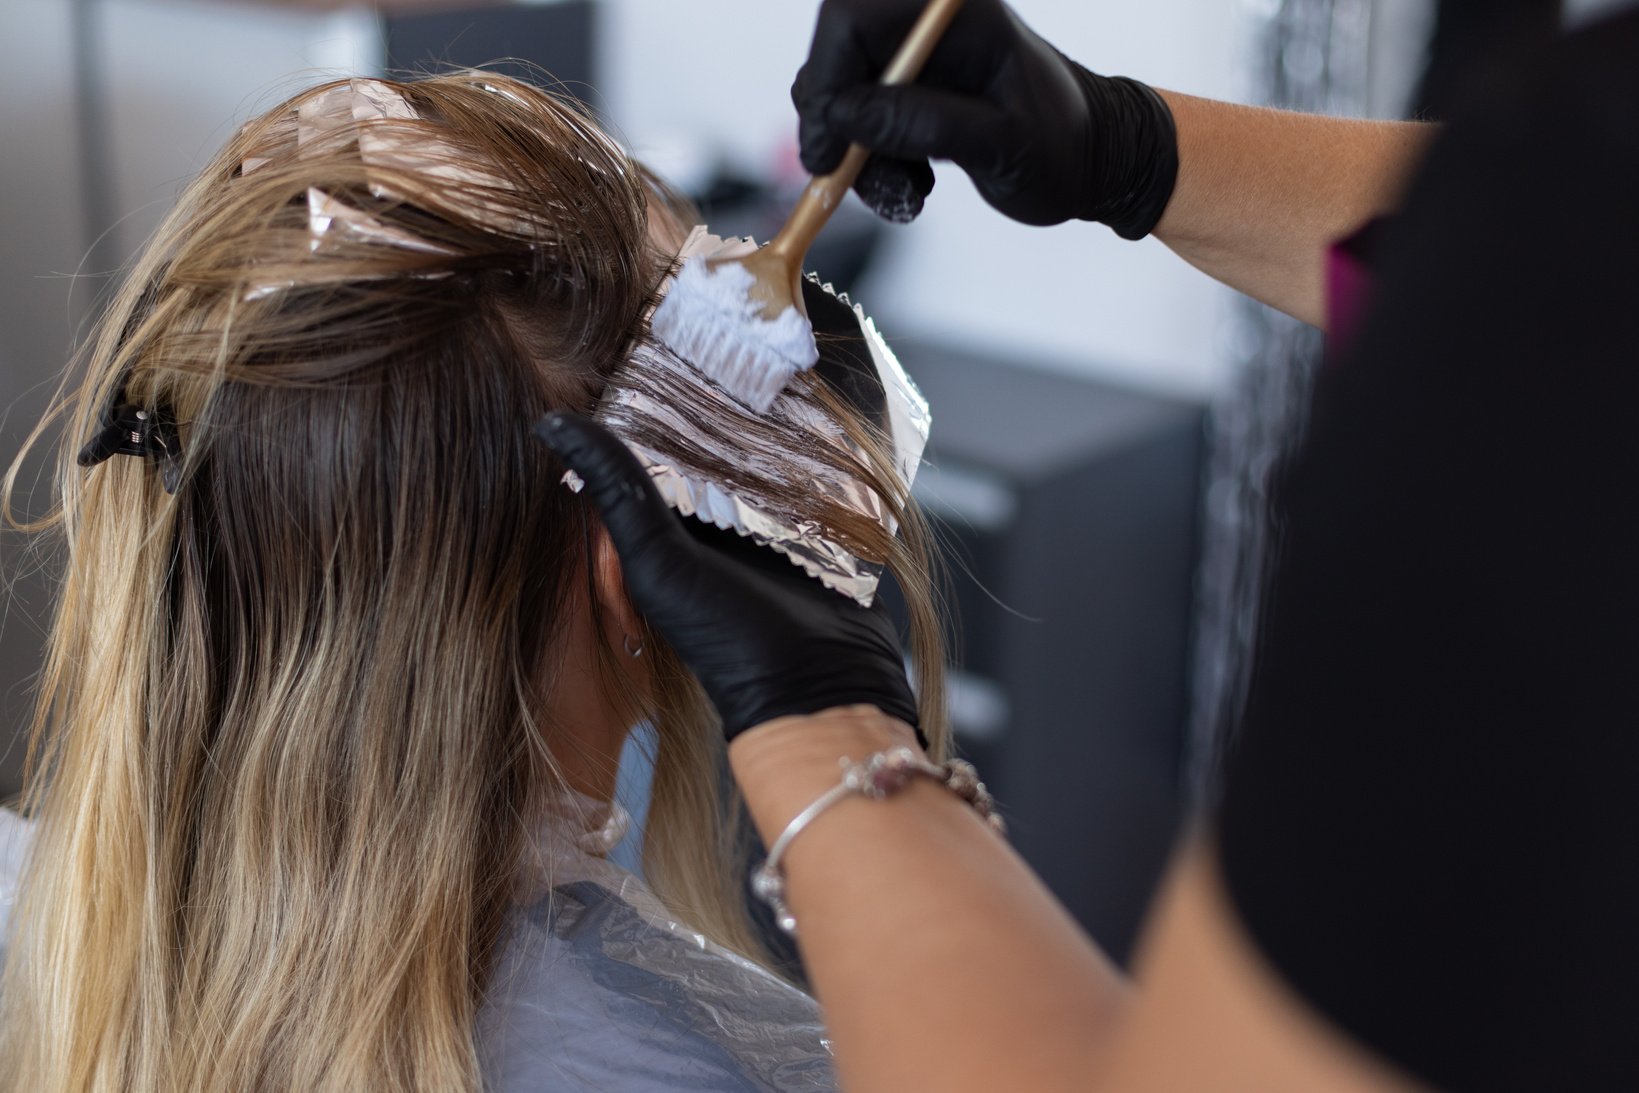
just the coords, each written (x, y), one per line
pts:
(596, 988)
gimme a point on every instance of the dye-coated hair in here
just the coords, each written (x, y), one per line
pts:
(292, 740)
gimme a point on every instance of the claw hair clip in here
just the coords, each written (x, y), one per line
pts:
(146, 432)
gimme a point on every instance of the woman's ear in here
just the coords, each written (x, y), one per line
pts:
(620, 620)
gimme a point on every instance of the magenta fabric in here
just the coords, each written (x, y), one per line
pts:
(1348, 285)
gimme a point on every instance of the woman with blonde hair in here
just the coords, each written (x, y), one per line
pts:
(340, 673)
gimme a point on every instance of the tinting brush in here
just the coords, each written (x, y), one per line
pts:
(741, 320)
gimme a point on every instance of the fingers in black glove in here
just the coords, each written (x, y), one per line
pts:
(895, 189)
(1042, 139)
(644, 530)
(764, 639)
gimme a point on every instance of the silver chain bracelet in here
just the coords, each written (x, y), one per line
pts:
(877, 777)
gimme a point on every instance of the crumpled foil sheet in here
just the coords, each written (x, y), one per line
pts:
(597, 988)
(364, 110)
(696, 491)
(328, 219)
(349, 108)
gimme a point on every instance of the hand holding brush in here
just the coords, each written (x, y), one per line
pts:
(1043, 139)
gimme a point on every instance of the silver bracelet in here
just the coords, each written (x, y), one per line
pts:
(877, 777)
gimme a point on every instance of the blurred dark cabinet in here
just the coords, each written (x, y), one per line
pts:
(1069, 509)
(556, 38)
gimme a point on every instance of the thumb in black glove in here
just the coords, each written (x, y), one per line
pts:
(1043, 139)
(764, 639)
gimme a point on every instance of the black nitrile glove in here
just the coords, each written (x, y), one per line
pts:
(764, 638)
(1043, 139)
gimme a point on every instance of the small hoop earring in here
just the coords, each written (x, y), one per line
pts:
(631, 650)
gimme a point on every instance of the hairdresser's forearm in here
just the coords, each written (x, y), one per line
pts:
(1261, 194)
(940, 960)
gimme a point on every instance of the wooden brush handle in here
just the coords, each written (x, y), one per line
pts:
(824, 193)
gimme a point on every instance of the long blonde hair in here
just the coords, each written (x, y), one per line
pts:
(291, 743)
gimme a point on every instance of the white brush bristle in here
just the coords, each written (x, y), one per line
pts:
(710, 319)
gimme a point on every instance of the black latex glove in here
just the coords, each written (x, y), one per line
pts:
(1043, 139)
(764, 638)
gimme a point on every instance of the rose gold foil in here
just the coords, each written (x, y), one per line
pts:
(694, 491)
(328, 220)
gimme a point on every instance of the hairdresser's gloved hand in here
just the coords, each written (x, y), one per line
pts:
(1043, 139)
(764, 639)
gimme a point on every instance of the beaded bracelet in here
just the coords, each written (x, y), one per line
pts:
(877, 777)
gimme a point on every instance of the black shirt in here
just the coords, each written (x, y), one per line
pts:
(1431, 819)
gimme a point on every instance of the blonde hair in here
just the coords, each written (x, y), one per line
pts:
(291, 743)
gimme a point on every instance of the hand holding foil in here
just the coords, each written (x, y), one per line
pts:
(764, 639)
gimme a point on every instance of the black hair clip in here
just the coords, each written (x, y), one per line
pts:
(133, 430)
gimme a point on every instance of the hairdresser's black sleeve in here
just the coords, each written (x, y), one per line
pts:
(1430, 825)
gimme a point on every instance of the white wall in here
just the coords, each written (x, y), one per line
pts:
(1073, 297)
